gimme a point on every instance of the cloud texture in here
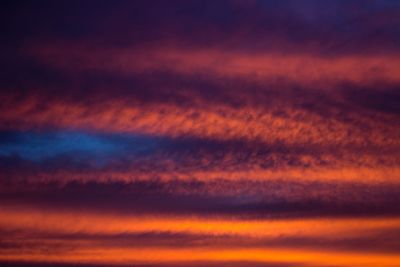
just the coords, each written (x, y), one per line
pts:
(193, 133)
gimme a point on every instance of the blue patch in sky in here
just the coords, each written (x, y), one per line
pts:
(39, 146)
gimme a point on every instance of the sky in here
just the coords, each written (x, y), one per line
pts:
(200, 133)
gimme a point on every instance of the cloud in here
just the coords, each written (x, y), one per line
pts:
(184, 133)
(337, 27)
(242, 198)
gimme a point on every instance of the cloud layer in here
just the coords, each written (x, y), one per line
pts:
(188, 133)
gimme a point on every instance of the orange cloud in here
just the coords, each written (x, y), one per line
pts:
(224, 123)
(37, 221)
(302, 68)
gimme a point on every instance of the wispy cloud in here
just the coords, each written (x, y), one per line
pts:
(185, 133)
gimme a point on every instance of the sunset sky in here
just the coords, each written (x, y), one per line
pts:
(198, 133)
